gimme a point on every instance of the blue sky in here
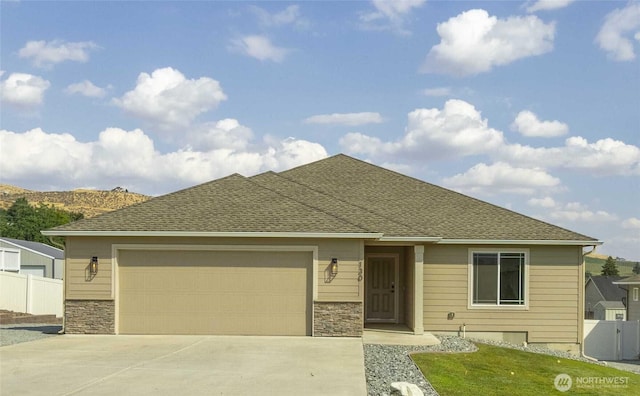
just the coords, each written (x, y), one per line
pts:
(532, 105)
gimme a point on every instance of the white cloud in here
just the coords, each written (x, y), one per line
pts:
(168, 99)
(631, 223)
(289, 16)
(528, 124)
(455, 131)
(544, 5)
(351, 119)
(458, 130)
(474, 42)
(618, 24)
(546, 202)
(584, 215)
(259, 47)
(130, 159)
(45, 54)
(389, 15)
(439, 91)
(227, 133)
(86, 88)
(23, 90)
(502, 177)
(603, 157)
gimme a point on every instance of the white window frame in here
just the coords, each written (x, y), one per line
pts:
(635, 294)
(4, 260)
(521, 307)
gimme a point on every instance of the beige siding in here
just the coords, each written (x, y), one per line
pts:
(345, 286)
(554, 311)
(79, 250)
(78, 284)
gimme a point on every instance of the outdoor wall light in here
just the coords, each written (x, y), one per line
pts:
(334, 266)
(93, 265)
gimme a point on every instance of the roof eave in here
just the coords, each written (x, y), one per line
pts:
(250, 234)
(409, 239)
(520, 242)
(31, 250)
(621, 282)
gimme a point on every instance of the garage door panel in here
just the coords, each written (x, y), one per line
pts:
(210, 292)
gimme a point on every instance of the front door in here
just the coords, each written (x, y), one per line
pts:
(381, 284)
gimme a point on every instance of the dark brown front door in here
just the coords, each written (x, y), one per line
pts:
(381, 283)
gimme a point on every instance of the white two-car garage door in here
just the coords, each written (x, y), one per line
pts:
(214, 292)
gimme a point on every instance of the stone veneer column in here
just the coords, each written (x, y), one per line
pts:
(418, 290)
(337, 319)
(89, 317)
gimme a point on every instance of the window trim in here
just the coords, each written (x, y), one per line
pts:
(635, 294)
(470, 279)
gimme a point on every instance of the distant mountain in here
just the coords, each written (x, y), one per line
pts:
(88, 202)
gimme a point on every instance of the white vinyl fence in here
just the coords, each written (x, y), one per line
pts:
(612, 339)
(31, 294)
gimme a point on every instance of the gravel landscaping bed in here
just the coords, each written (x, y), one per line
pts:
(17, 333)
(385, 364)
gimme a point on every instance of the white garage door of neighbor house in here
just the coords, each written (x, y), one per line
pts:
(214, 292)
(32, 270)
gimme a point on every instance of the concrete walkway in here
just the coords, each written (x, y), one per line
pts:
(382, 337)
(183, 365)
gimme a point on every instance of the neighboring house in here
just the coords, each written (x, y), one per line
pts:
(631, 285)
(33, 258)
(324, 249)
(601, 288)
(610, 310)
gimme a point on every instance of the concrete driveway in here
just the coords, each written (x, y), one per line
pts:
(183, 365)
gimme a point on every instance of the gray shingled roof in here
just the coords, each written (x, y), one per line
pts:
(611, 304)
(630, 280)
(609, 291)
(37, 247)
(339, 194)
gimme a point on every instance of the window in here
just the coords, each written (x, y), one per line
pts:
(498, 278)
(9, 259)
(635, 294)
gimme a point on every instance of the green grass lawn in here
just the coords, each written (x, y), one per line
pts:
(502, 371)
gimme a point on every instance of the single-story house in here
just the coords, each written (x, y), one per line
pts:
(324, 249)
(631, 285)
(27, 257)
(601, 288)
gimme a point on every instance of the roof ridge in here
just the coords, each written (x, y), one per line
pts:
(364, 208)
(306, 203)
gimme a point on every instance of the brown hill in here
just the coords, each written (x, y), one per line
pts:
(88, 202)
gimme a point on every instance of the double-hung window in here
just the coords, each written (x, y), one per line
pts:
(498, 278)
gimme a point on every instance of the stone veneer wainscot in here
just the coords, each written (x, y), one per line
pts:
(337, 319)
(89, 317)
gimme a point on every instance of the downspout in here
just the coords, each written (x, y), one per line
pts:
(582, 335)
(64, 282)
